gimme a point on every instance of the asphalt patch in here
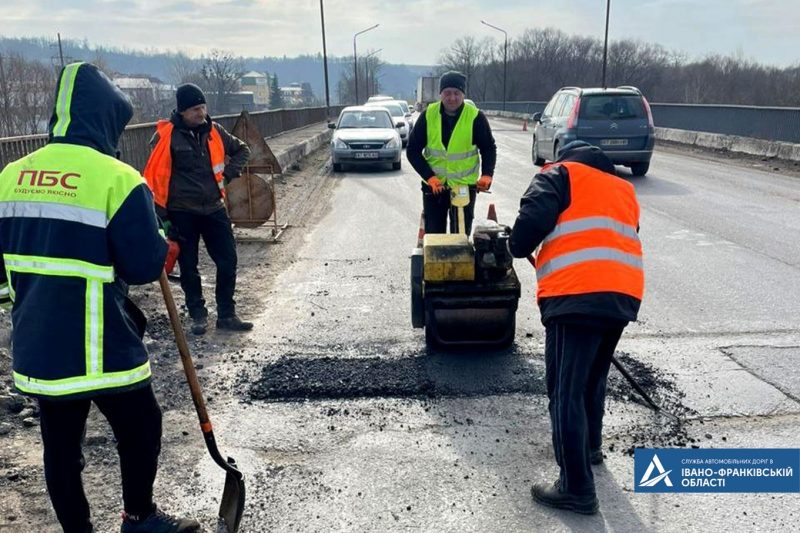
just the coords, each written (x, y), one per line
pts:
(294, 377)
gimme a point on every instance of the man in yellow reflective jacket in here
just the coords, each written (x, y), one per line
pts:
(77, 226)
(444, 149)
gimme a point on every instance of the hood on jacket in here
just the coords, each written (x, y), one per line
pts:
(583, 152)
(89, 109)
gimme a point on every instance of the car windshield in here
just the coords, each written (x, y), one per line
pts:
(365, 119)
(394, 109)
(612, 107)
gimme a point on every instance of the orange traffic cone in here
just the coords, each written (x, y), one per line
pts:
(492, 215)
(525, 124)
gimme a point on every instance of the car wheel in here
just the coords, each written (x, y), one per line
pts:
(397, 165)
(337, 167)
(538, 161)
(640, 169)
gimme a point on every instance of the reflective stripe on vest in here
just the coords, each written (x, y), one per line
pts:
(594, 246)
(71, 213)
(95, 276)
(459, 163)
(158, 170)
(63, 387)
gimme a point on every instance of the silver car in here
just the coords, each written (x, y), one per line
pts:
(398, 115)
(365, 135)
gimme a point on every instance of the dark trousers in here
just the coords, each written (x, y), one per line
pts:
(135, 418)
(217, 234)
(577, 359)
(437, 207)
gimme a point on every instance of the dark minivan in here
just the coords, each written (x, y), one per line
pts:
(618, 120)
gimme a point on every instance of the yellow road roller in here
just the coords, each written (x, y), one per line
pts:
(465, 292)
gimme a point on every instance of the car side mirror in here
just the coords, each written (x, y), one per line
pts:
(332, 125)
(399, 125)
(537, 117)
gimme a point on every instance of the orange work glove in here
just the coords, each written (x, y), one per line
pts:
(484, 183)
(173, 251)
(435, 184)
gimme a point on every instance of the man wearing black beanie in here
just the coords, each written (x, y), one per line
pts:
(187, 173)
(443, 148)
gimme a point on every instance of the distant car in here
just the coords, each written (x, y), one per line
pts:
(379, 98)
(408, 112)
(365, 135)
(398, 115)
(618, 120)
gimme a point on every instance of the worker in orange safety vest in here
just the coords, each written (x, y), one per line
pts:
(187, 173)
(590, 282)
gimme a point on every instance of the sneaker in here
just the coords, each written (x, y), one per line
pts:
(550, 494)
(199, 325)
(159, 522)
(234, 323)
(596, 456)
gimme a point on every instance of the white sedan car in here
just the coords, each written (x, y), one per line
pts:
(365, 135)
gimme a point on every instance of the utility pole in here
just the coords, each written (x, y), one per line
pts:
(605, 43)
(325, 63)
(355, 57)
(60, 50)
(505, 59)
(367, 69)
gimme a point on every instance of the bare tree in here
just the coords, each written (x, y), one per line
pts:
(369, 71)
(543, 60)
(27, 90)
(185, 70)
(463, 55)
(221, 71)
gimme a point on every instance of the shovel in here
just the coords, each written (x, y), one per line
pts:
(232, 506)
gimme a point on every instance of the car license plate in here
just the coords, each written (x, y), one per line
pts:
(366, 155)
(614, 142)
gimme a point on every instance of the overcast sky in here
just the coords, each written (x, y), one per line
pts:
(411, 31)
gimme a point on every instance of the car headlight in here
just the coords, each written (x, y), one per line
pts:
(392, 143)
(340, 144)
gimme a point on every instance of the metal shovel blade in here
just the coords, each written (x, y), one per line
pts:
(232, 506)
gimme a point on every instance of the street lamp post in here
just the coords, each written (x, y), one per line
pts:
(505, 60)
(605, 43)
(325, 63)
(366, 68)
(355, 56)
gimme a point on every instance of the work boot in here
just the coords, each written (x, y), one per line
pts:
(234, 323)
(159, 522)
(596, 456)
(550, 494)
(199, 325)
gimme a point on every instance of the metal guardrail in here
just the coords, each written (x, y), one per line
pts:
(769, 123)
(134, 144)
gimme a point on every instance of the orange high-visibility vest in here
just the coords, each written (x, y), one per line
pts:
(595, 245)
(158, 170)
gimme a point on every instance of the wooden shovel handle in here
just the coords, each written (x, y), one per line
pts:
(186, 358)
